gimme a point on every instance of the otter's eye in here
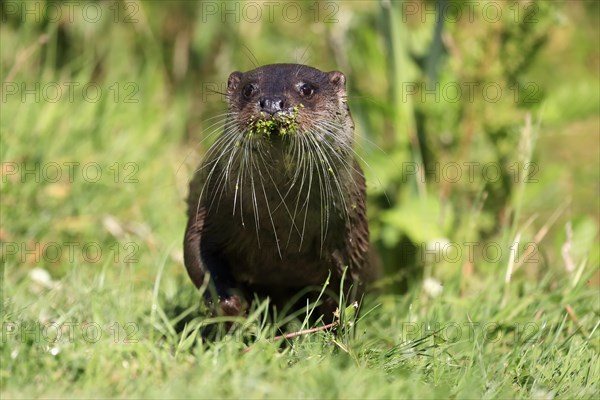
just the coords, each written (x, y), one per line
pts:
(249, 90)
(306, 90)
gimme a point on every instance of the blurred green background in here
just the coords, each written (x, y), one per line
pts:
(477, 125)
(440, 101)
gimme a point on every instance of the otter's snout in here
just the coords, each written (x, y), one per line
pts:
(272, 104)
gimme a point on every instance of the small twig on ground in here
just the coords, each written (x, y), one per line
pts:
(298, 333)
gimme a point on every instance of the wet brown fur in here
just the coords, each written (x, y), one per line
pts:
(276, 215)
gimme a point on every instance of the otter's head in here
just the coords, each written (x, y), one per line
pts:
(287, 138)
(281, 100)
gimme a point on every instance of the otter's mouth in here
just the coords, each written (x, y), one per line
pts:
(280, 124)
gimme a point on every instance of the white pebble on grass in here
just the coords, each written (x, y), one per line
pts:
(432, 287)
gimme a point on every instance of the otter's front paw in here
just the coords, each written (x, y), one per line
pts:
(231, 306)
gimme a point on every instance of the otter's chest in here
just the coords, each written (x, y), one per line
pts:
(279, 236)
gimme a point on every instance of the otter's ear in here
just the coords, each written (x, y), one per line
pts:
(337, 79)
(234, 81)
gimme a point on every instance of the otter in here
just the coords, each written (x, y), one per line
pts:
(278, 205)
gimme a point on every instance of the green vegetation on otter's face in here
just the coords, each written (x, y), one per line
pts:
(284, 123)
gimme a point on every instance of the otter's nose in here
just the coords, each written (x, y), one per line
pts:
(271, 104)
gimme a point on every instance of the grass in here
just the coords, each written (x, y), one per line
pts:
(543, 343)
(127, 322)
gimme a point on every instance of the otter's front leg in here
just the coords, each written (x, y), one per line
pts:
(222, 287)
(200, 259)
